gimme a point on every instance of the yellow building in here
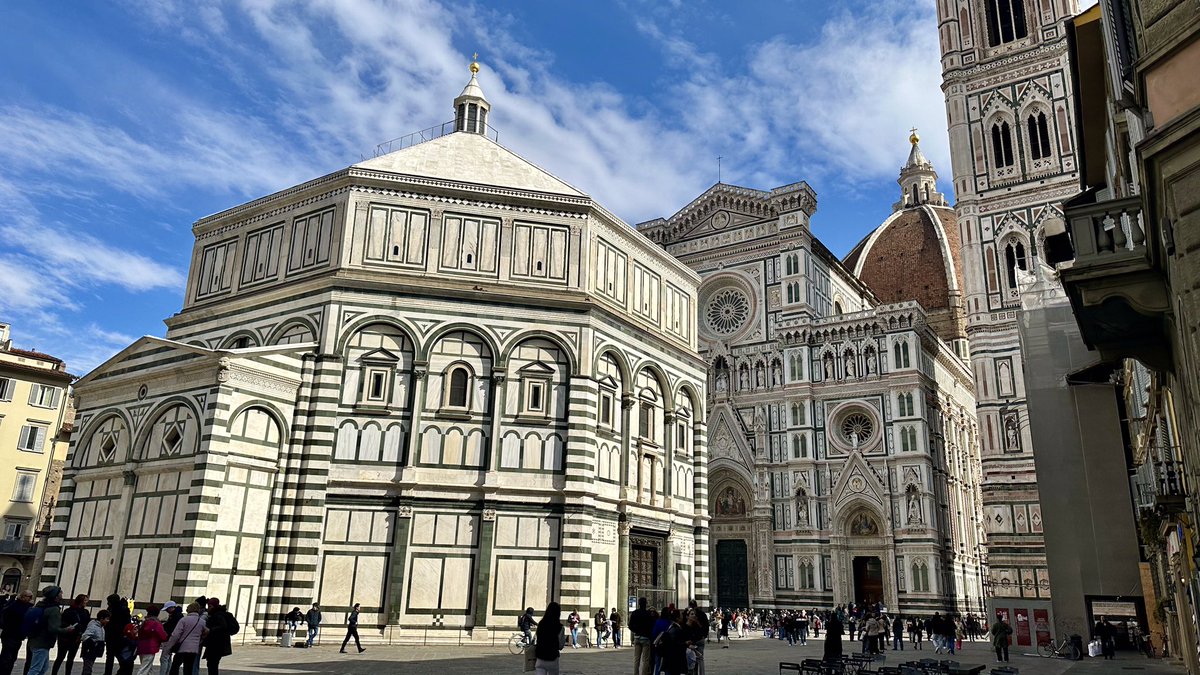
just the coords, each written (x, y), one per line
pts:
(35, 425)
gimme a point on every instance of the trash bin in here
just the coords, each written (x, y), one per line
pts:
(1077, 647)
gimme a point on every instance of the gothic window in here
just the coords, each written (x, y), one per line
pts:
(796, 362)
(458, 387)
(1005, 21)
(797, 413)
(807, 576)
(837, 307)
(900, 355)
(904, 354)
(920, 576)
(1014, 258)
(1002, 152)
(990, 263)
(1039, 136)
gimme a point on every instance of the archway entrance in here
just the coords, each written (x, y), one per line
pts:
(732, 587)
(868, 580)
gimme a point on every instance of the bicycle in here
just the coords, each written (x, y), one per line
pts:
(518, 644)
(1062, 650)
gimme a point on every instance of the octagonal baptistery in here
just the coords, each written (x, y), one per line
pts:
(441, 383)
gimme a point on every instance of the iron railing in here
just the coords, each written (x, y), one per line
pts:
(434, 132)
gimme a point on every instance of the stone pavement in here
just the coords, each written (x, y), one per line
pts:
(749, 656)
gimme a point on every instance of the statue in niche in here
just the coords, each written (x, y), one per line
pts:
(864, 525)
(828, 366)
(848, 359)
(759, 375)
(871, 363)
(801, 508)
(1011, 433)
(914, 506)
(776, 375)
(731, 503)
(722, 381)
(743, 378)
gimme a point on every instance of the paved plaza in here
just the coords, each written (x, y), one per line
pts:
(750, 656)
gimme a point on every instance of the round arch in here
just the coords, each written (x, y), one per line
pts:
(138, 441)
(848, 511)
(622, 365)
(729, 480)
(239, 334)
(535, 333)
(422, 350)
(408, 329)
(287, 325)
(95, 423)
(690, 390)
(271, 409)
(664, 383)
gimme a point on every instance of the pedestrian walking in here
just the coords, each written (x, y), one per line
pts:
(218, 639)
(352, 630)
(1000, 637)
(641, 630)
(184, 643)
(151, 635)
(551, 637)
(615, 618)
(1103, 631)
(44, 626)
(312, 620)
(91, 642)
(68, 645)
(11, 633)
(897, 634)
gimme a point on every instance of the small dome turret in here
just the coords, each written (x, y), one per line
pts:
(471, 107)
(918, 180)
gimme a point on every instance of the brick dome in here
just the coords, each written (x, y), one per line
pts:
(915, 255)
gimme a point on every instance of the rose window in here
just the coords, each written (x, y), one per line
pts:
(857, 428)
(727, 311)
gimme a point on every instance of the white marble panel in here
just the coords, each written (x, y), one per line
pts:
(369, 580)
(425, 583)
(510, 585)
(423, 527)
(337, 575)
(249, 555)
(506, 531)
(466, 530)
(599, 583)
(137, 512)
(147, 571)
(224, 548)
(337, 525)
(456, 584)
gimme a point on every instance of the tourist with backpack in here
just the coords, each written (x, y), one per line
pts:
(218, 641)
(43, 624)
(68, 645)
(11, 636)
(91, 643)
(184, 643)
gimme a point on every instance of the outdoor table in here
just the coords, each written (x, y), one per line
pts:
(966, 669)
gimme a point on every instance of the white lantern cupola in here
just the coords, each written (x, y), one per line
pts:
(471, 108)
(918, 180)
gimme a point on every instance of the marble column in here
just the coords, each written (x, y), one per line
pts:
(483, 575)
(622, 562)
(416, 407)
(395, 592)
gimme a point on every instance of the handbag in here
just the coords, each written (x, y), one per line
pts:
(92, 649)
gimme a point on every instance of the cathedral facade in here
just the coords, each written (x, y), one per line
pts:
(844, 461)
(1007, 83)
(441, 383)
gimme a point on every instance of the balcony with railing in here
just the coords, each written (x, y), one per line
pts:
(1158, 485)
(18, 546)
(1117, 293)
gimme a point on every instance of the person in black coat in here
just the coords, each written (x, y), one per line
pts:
(11, 635)
(114, 634)
(218, 643)
(833, 638)
(68, 645)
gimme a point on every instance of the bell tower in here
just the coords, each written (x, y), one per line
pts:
(1007, 84)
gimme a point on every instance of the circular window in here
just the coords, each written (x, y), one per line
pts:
(857, 428)
(727, 311)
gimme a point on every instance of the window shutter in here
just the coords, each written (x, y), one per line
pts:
(24, 442)
(54, 394)
(40, 440)
(33, 394)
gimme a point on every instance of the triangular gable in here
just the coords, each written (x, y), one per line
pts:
(858, 480)
(140, 347)
(536, 368)
(378, 355)
(727, 437)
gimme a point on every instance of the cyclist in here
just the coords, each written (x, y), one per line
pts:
(526, 624)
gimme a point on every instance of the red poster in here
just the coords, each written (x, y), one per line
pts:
(1022, 615)
(1041, 624)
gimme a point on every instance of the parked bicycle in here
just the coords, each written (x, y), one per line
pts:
(1064, 649)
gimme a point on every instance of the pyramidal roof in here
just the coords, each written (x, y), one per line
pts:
(468, 156)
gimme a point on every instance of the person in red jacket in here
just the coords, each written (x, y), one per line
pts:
(151, 635)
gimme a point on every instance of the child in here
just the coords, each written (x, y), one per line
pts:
(92, 640)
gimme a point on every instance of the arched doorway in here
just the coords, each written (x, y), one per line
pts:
(731, 555)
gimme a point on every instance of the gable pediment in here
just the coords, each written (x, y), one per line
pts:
(379, 356)
(727, 437)
(857, 480)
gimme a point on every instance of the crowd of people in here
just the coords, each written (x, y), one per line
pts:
(179, 638)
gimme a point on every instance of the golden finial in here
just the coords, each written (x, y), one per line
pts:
(914, 138)
(475, 63)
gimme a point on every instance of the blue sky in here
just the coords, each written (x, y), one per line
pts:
(122, 123)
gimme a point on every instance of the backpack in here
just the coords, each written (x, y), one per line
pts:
(131, 632)
(33, 622)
